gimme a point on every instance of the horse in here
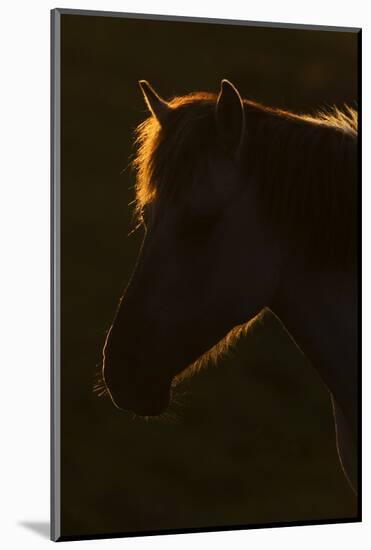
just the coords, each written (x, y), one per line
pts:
(244, 207)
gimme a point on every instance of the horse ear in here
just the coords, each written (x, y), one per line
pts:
(158, 107)
(230, 117)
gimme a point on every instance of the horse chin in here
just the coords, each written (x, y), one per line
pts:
(150, 406)
(149, 411)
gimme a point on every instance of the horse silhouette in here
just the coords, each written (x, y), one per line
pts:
(245, 207)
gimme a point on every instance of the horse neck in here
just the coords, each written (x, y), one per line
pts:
(319, 310)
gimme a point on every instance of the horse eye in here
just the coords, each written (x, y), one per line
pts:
(207, 221)
(200, 225)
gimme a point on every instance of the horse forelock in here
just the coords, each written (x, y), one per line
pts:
(163, 151)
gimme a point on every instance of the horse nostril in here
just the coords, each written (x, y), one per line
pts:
(119, 369)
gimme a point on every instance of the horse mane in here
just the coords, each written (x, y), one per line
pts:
(305, 167)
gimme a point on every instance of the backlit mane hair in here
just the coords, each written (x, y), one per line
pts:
(305, 167)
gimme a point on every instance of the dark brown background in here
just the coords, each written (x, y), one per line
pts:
(254, 438)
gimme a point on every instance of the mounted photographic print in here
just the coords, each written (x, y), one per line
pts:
(205, 274)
